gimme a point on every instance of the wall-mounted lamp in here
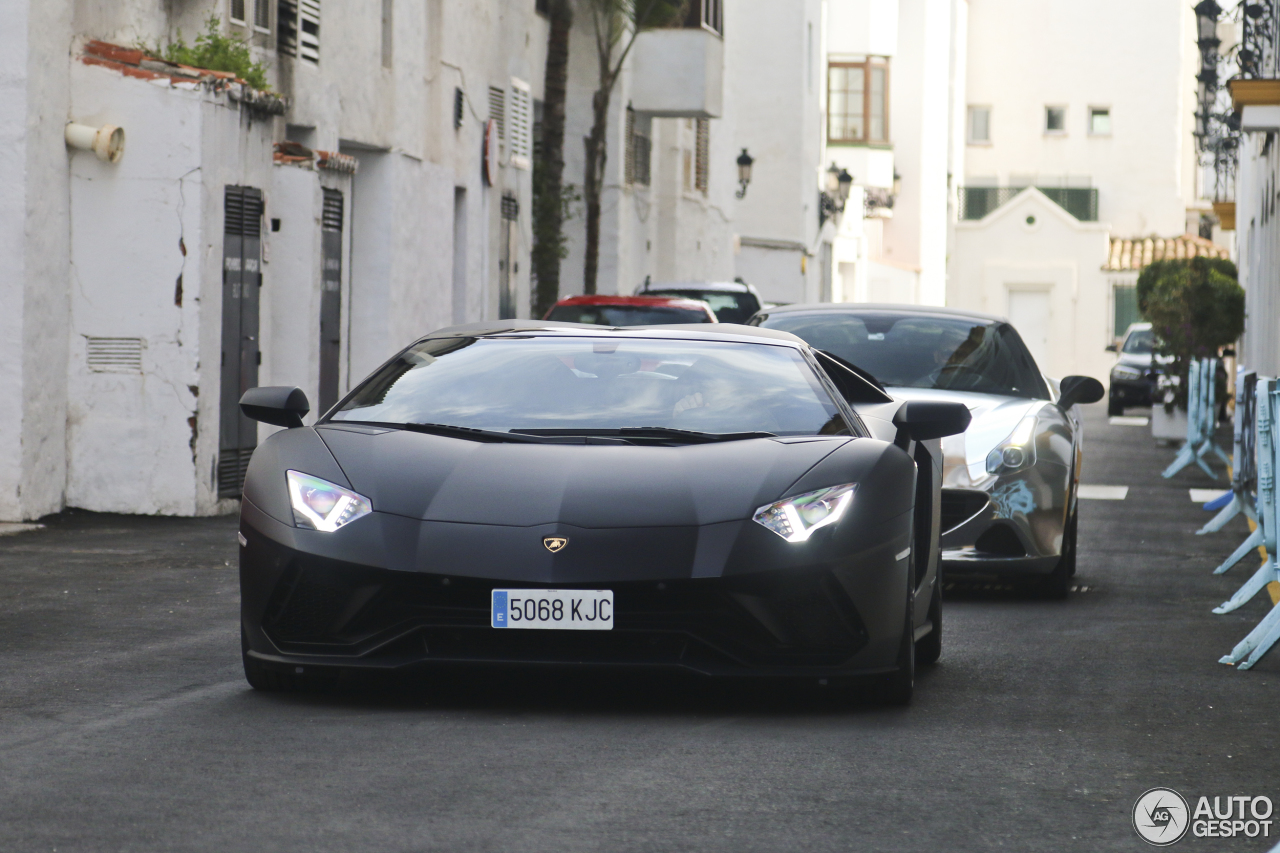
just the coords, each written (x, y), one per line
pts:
(745, 162)
(107, 142)
(831, 203)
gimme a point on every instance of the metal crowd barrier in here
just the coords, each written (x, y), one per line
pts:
(1244, 468)
(1264, 412)
(1202, 419)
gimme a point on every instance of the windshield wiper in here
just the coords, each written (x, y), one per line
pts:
(472, 433)
(686, 435)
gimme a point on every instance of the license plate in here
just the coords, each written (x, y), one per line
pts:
(562, 609)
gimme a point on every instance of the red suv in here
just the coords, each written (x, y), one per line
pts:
(630, 310)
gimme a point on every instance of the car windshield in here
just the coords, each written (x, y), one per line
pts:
(594, 384)
(922, 351)
(1140, 342)
(626, 315)
(728, 307)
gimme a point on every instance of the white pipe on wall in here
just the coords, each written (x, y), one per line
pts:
(106, 142)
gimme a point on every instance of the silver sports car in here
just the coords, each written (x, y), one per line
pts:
(1009, 481)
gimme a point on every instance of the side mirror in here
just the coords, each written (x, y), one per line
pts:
(278, 405)
(1113, 348)
(921, 420)
(1079, 389)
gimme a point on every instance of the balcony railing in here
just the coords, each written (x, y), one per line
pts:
(977, 202)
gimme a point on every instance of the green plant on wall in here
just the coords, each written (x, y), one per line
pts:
(1195, 308)
(214, 51)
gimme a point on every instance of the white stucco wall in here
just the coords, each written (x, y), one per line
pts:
(1055, 254)
(1134, 57)
(33, 247)
(146, 441)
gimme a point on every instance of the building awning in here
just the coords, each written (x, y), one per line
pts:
(1136, 254)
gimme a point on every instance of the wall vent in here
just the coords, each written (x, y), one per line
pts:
(114, 355)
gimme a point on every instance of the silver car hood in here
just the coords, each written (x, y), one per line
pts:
(994, 417)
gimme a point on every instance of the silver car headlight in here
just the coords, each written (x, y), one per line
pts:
(1016, 452)
(321, 505)
(795, 519)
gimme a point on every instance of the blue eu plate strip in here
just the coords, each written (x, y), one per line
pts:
(499, 619)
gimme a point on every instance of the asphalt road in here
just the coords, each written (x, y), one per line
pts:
(125, 724)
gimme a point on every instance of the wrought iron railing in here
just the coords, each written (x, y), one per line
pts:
(1080, 202)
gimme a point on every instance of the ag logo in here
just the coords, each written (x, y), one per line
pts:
(1161, 817)
(554, 543)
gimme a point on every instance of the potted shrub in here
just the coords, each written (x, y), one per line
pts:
(1196, 308)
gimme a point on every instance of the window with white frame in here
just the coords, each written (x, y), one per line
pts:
(979, 125)
(298, 29)
(1099, 121)
(236, 12)
(520, 124)
(262, 15)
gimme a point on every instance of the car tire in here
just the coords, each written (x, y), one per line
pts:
(269, 680)
(1115, 408)
(929, 649)
(1058, 584)
(898, 687)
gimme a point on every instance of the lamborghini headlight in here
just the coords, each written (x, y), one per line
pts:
(321, 505)
(795, 519)
(1016, 452)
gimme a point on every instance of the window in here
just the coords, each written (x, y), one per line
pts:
(979, 125)
(262, 15)
(236, 13)
(706, 15)
(388, 33)
(519, 118)
(639, 148)
(858, 102)
(498, 110)
(1100, 121)
(702, 156)
(1125, 304)
(298, 29)
(1055, 119)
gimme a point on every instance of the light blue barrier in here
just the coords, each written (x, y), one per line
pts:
(1249, 650)
(1202, 419)
(1244, 472)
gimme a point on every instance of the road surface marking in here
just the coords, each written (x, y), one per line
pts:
(1127, 421)
(1103, 493)
(1203, 496)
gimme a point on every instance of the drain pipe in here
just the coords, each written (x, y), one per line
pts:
(106, 142)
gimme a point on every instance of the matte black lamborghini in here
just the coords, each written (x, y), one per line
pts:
(725, 500)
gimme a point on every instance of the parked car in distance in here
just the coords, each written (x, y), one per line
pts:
(1009, 482)
(733, 301)
(630, 311)
(1134, 377)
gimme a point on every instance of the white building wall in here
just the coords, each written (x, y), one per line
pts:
(33, 251)
(1023, 56)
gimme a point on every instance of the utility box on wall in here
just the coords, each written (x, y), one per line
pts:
(679, 73)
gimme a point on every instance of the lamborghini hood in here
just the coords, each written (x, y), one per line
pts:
(441, 478)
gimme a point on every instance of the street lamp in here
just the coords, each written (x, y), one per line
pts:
(831, 202)
(745, 162)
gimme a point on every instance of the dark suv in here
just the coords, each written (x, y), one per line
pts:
(1133, 379)
(733, 301)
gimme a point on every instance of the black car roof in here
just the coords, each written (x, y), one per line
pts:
(675, 331)
(879, 307)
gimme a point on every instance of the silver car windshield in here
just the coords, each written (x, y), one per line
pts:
(923, 351)
(565, 384)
